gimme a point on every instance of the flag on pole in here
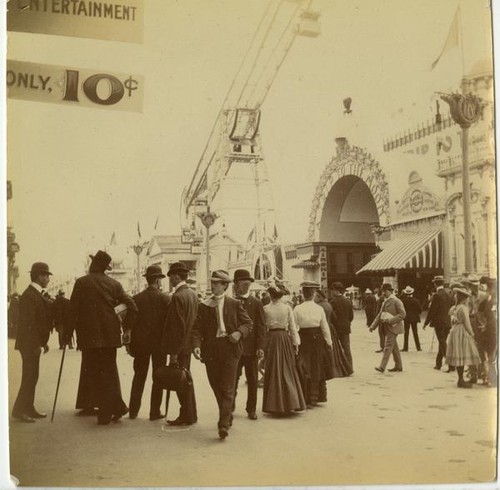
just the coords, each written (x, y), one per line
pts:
(139, 230)
(453, 38)
(112, 241)
(156, 222)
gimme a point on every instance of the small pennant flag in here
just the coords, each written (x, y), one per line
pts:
(453, 38)
(139, 230)
(156, 222)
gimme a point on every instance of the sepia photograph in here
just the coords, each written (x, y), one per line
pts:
(249, 244)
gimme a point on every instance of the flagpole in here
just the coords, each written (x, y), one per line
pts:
(461, 41)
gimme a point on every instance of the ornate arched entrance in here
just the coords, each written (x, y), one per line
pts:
(351, 199)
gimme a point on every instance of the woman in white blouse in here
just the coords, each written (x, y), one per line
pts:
(282, 389)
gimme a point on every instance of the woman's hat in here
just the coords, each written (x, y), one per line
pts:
(154, 271)
(408, 290)
(220, 276)
(102, 258)
(368, 291)
(462, 291)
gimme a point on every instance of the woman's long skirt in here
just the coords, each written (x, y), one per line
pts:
(461, 348)
(282, 389)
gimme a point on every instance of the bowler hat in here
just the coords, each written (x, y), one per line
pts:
(408, 290)
(177, 267)
(309, 284)
(154, 271)
(220, 276)
(242, 275)
(102, 258)
(40, 268)
(387, 287)
(438, 279)
(338, 286)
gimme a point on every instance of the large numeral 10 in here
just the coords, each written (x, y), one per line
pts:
(90, 88)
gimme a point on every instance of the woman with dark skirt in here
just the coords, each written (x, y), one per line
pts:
(282, 390)
(461, 348)
(314, 333)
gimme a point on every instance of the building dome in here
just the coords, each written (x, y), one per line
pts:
(481, 68)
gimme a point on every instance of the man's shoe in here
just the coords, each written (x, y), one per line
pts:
(438, 368)
(223, 433)
(177, 421)
(404, 350)
(156, 416)
(132, 416)
(464, 384)
(87, 412)
(380, 350)
(22, 417)
(395, 370)
(379, 369)
(117, 416)
(419, 349)
(252, 416)
(37, 415)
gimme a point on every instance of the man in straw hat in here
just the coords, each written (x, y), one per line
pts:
(35, 324)
(391, 314)
(98, 331)
(439, 319)
(413, 310)
(217, 335)
(177, 336)
(253, 344)
(146, 327)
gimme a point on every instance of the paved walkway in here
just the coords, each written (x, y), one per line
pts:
(410, 427)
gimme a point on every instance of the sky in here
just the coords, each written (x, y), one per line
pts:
(81, 174)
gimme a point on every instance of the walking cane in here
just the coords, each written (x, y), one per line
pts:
(58, 382)
(167, 401)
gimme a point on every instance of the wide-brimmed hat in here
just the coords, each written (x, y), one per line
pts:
(472, 279)
(177, 267)
(462, 291)
(220, 276)
(368, 291)
(242, 275)
(408, 290)
(309, 284)
(387, 287)
(154, 271)
(102, 258)
(438, 279)
(40, 268)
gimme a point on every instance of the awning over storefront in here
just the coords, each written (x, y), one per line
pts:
(311, 263)
(423, 251)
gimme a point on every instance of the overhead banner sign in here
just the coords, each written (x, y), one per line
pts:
(73, 86)
(113, 21)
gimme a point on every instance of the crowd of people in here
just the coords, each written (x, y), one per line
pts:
(300, 342)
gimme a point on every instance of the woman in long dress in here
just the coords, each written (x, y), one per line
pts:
(282, 389)
(461, 349)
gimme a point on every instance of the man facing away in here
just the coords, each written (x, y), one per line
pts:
(342, 317)
(253, 344)
(146, 326)
(217, 335)
(391, 315)
(178, 325)
(412, 319)
(439, 319)
(35, 324)
(98, 331)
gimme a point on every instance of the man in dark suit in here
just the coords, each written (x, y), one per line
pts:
(217, 335)
(61, 308)
(342, 317)
(439, 319)
(98, 328)
(253, 344)
(412, 318)
(177, 336)
(370, 306)
(35, 324)
(145, 329)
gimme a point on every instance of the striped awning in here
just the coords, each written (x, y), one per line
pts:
(423, 251)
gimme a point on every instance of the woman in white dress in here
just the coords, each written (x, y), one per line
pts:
(282, 389)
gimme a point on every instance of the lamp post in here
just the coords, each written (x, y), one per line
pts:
(465, 111)
(138, 250)
(208, 219)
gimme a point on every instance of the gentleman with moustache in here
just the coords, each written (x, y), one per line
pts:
(35, 324)
(146, 326)
(253, 344)
(98, 330)
(221, 325)
(178, 325)
(439, 319)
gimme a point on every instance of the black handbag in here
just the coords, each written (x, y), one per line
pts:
(173, 378)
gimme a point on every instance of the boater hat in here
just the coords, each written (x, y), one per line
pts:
(220, 276)
(40, 268)
(462, 291)
(368, 291)
(154, 271)
(408, 290)
(438, 279)
(102, 258)
(242, 275)
(309, 284)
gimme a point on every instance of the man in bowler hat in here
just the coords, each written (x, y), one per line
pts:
(146, 326)
(35, 324)
(177, 336)
(98, 330)
(253, 344)
(217, 335)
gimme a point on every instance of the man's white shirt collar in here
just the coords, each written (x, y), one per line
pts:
(182, 283)
(37, 287)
